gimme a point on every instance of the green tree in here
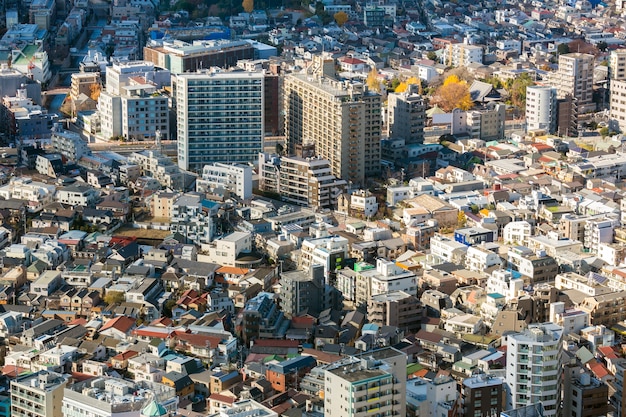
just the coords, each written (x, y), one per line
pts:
(517, 90)
(167, 308)
(563, 48)
(432, 55)
(604, 132)
(602, 46)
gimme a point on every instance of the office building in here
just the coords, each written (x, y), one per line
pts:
(341, 118)
(534, 368)
(481, 396)
(541, 108)
(374, 384)
(38, 395)
(407, 112)
(219, 117)
(305, 182)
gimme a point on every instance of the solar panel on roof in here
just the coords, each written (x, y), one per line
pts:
(600, 279)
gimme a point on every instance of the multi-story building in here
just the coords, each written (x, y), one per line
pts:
(245, 408)
(534, 367)
(38, 395)
(42, 13)
(481, 396)
(584, 396)
(617, 86)
(24, 120)
(69, 144)
(599, 230)
(374, 16)
(406, 113)
(261, 317)
(461, 54)
(329, 251)
(303, 292)
(395, 308)
(606, 308)
(114, 397)
(84, 83)
(386, 277)
(219, 117)
(575, 78)
(234, 178)
(37, 194)
(364, 203)
(160, 167)
(302, 181)
(480, 124)
(120, 74)
(138, 113)
(541, 108)
(341, 118)
(373, 384)
(180, 57)
(538, 267)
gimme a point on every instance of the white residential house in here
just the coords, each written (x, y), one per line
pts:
(517, 232)
(479, 258)
(447, 249)
(235, 178)
(364, 202)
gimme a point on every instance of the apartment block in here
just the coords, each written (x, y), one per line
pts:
(407, 114)
(219, 117)
(617, 86)
(69, 144)
(341, 118)
(541, 108)
(24, 120)
(481, 395)
(461, 54)
(373, 384)
(584, 396)
(480, 124)
(534, 367)
(38, 395)
(234, 178)
(395, 308)
(306, 182)
(574, 78)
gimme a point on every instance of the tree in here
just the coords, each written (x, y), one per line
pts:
(453, 93)
(604, 132)
(248, 5)
(517, 90)
(167, 308)
(401, 88)
(279, 148)
(461, 218)
(341, 18)
(94, 91)
(114, 297)
(373, 83)
(432, 55)
(602, 46)
(563, 48)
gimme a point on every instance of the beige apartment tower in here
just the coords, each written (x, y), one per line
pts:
(342, 119)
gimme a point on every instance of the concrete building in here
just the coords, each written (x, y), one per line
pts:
(23, 120)
(84, 83)
(574, 77)
(180, 57)
(406, 114)
(617, 87)
(32, 61)
(461, 55)
(481, 395)
(303, 292)
(386, 277)
(116, 397)
(120, 74)
(160, 167)
(534, 367)
(38, 395)
(363, 202)
(234, 128)
(306, 182)
(341, 118)
(234, 178)
(69, 144)
(360, 387)
(245, 408)
(541, 108)
(395, 308)
(584, 396)
(480, 124)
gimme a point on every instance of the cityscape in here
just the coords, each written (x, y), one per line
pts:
(334, 208)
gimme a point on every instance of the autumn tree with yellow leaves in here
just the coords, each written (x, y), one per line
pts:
(453, 94)
(373, 83)
(401, 88)
(248, 5)
(341, 18)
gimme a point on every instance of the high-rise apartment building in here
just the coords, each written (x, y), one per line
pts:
(219, 116)
(575, 78)
(617, 87)
(372, 385)
(38, 395)
(341, 118)
(541, 107)
(407, 112)
(533, 367)
(302, 181)
(395, 308)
